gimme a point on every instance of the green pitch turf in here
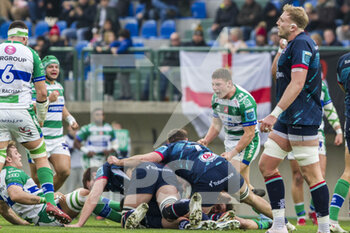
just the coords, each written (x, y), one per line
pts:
(109, 226)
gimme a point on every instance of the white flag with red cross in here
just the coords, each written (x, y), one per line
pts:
(251, 71)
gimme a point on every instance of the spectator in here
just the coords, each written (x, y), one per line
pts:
(55, 39)
(120, 46)
(106, 13)
(52, 9)
(225, 16)
(343, 31)
(167, 67)
(5, 9)
(110, 26)
(236, 42)
(312, 15)
(76, 174)
(123, 139)
(82, 13)
(317, 38)
(249, 16)
(197, 38)
(167, 9)
(270, 15)
(148, 12)
(330, 39)
(274, 39)
(326, 14)
(36, 10)
(41, 46)
(261, 35)
(123, 8)
(19, 10)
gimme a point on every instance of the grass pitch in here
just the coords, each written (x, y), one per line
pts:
(109, 226)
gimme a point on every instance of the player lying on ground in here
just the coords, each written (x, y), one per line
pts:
(21, 194)
(158, 191)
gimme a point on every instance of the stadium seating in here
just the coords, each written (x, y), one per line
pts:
(131, 10)
(133, 27)
(41, 28)
(80, 46)
(61, 25)
(29, 25)
(198, 10)
(3, 29)
(149, 29)
(139, 8)
(167, 27)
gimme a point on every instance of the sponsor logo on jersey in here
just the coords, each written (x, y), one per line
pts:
(306, 57)
(10, 58)
(279, 75)
(250, 115)
(25, 130)
(247, 103)
(208, 157)
(13, 175)
(218, 182)
(225, 109)
(10, 49)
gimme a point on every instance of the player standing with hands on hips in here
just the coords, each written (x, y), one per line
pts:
(294, 123)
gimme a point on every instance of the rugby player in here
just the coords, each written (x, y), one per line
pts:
(235, 109)
(296, 118)
(56, 146)
(19, 67)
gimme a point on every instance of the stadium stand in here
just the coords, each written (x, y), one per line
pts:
(61, 25)
(167, 27)
(41, 28)
(198, 10)
(149, 29)
(132, 26)
(3, 29)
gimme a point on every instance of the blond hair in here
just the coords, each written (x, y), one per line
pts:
(222, 73)
(297, 15)
(11, 144)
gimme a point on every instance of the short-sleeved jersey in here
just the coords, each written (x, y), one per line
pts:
(19, 66)
(301, 52)
(53, 128)
(117, 180)
(235, 113)
(325, 99)
(14, 176)
(97, 138)
(343, 75)
(123, 138)
(189, 160)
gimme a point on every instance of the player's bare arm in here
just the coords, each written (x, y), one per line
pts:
(212, 133)
(247, 137)
(17, 194)
(10, 215)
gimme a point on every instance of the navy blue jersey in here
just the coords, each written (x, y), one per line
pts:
(189, 160)
(302, 52)
(117, 180)
(343, 71)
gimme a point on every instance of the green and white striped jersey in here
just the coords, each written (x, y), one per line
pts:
(235, 113)
(19, 66)
(14, 176)
(97, 138)
(53, 128)
(325, 99)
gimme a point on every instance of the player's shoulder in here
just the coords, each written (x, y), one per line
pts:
(244, 97)
(13, 172)
(344, 59)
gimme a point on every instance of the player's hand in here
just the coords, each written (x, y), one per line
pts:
(73, 225)
(90, 154)
(203, 142)
(338, 140)
(267, 123)
(112, 160)
(75, 126)
(53, 96)
(283, 43)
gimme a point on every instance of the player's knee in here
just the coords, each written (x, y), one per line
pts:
(274, 150)
(298, 179)
(168, 213)
(306, 155)
(39, 151)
